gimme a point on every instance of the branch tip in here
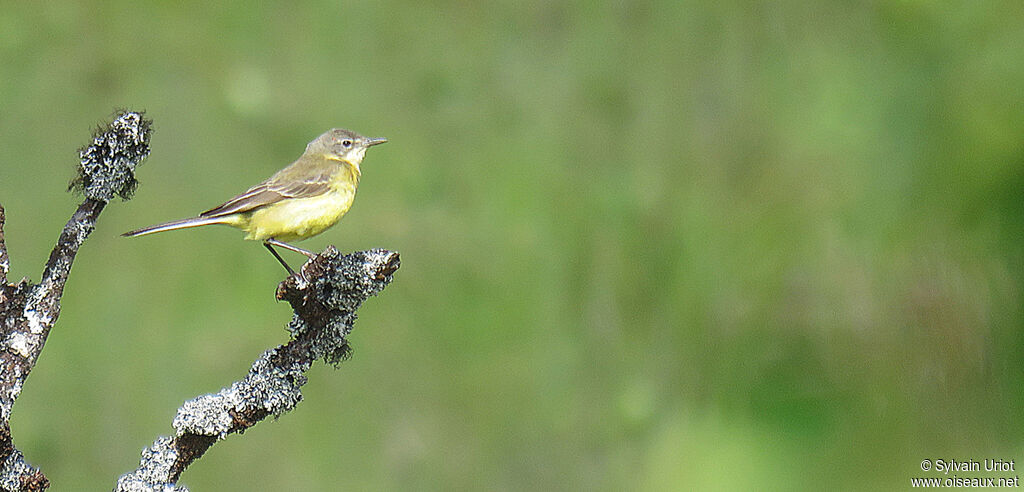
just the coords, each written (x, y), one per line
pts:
(108, 164)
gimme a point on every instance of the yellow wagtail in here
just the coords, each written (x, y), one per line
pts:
(298, 202)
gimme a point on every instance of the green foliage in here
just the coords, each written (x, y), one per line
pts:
(656, 245)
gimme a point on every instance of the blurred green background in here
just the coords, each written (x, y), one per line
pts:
(645, 245)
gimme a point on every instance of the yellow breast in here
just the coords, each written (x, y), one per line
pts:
(301, 218)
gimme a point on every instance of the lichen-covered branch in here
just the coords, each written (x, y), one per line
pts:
(28, 311)
(324, 297)
(5, 264)
(32, 309)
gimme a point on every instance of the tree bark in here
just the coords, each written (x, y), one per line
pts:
(324, 296)
(28, 311)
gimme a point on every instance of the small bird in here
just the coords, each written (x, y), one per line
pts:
(298, 202)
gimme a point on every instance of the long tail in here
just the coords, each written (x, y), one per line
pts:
(175, 224)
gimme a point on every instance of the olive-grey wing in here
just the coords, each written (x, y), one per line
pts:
(270, 192)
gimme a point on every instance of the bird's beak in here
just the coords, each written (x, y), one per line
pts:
(370, 142)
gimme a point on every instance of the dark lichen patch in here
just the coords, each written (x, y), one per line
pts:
(107, 166)
(339, 284)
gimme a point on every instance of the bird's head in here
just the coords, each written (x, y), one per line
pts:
(343, 145)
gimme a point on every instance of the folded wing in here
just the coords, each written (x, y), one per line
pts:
(272, 191)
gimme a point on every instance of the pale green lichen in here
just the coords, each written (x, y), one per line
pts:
(266, 388)
(154, 470)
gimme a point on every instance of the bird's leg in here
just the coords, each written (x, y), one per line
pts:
(274, 252)
(287, 246)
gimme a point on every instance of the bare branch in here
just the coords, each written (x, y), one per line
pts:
(324, 297)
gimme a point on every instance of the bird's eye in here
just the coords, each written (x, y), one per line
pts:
(346, 143)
